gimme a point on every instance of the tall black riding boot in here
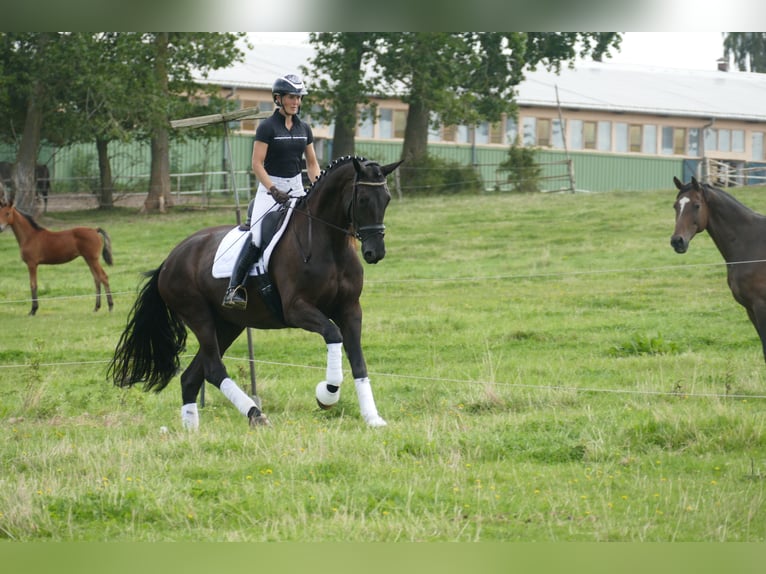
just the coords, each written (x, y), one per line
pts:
(236, 294)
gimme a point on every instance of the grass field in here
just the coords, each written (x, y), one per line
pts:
(550, 369)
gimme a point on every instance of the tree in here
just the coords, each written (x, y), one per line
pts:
(73, 87)
(340, 58)
(37, 68)
(748, 50)
(172, 58)
(456, 77)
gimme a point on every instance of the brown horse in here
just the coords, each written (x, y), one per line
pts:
(740, 235)
(316, 271)
(41, 246)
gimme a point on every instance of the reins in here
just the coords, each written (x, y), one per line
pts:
(358, 232)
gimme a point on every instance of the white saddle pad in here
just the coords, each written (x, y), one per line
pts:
(231, 245)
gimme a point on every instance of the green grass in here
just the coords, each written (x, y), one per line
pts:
(549, 368)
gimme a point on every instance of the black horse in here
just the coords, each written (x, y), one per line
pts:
(740, 235)
(316, 271)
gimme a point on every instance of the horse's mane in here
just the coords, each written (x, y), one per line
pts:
(333, 165)
(726, 196)
(31, 221)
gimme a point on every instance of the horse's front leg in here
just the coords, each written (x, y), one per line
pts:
(33, 287)
(351, 327)
(757, 314)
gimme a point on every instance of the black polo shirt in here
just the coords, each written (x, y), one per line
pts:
(286, 147)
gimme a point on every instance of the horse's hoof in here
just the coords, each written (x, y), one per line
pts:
(260, 420)
(375, 421)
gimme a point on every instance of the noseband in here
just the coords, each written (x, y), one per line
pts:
(365, 231)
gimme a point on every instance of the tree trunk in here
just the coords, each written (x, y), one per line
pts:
(415, 146)
(159, 198)
(106, 193)
(343, 142)
(23, 174)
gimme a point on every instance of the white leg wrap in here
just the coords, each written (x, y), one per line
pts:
(367, 403)
(324, 397)
(237, 396)
(334, 363)
(190, 416)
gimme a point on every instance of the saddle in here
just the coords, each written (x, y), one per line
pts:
(270, 224)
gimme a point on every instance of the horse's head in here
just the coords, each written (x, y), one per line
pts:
(691, 213)
(368, 206)
(6, 214)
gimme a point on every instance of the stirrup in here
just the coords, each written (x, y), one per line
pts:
(233, 299)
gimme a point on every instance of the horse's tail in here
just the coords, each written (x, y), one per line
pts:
(153, 339)
(106, 251)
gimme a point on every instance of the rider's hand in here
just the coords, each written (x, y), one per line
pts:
(279, 196)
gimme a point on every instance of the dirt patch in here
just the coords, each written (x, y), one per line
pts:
(58, 202)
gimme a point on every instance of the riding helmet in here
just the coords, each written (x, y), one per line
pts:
(288, 84)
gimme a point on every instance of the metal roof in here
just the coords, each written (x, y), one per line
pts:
(612, 87)
(602, 86)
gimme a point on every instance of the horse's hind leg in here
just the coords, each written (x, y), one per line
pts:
(100, 277)
(207, 365)
(191, 384)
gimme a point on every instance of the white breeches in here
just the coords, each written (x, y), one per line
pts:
(264, 202)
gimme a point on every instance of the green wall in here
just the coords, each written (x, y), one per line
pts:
(130, 164)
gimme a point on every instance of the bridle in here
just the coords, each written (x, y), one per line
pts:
(365, 231)
(361, 233)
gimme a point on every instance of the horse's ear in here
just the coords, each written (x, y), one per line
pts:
(678, 183)
(386, 169)
(695, 183)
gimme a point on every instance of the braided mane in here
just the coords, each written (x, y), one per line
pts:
(343, 160)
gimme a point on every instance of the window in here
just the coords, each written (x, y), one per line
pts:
(589, 135)
(724, 140)
(543, 132)
(627, 138)
(434, 133)
(449, 133)
(463, 134)
(511, 130)
(400, 123)
(386, 125)
(487, 133)
(482, 133)
(711, 139)
(694, 142)
(758, 146)
(620, 137)
(649, 140)
(365, 129)
(634, 139)
(575, 134)
(392, 123)
(679, 141)
(496, 133)
(557, 134)
(738, 141)
(604, 142)
(673, 141)
(528, 131)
